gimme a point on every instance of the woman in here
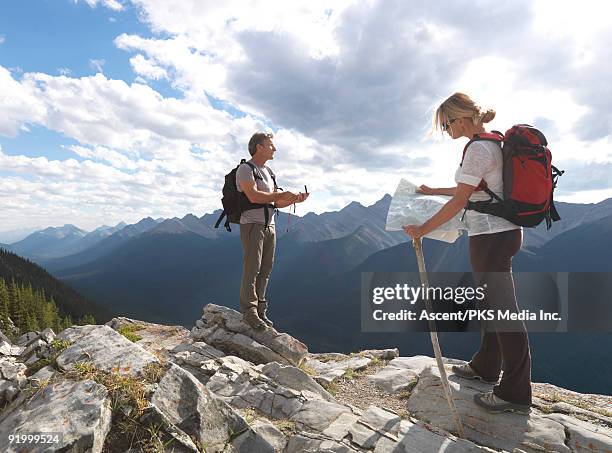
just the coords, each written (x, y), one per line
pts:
(493, 241)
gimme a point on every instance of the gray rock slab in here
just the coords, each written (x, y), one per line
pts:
(79, 410)
(43, 375)
(327, 372)
(47, 335)
(252, 442)
(392, 379)
(192, 408)
(242, 385)
(416, 438)
(10, 369)
(506, 431)
(105, 348)
(382, 354)
(270, 433)
(181, 442)
(317, 415)
(315, 443)
(292, 350)
(582, 436)
(296, 379)
(27, 337)
(341, 426)
(32, 348)
(240, 345)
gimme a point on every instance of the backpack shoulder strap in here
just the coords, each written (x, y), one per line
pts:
(273, 176)
(255, 174)
(494, 136)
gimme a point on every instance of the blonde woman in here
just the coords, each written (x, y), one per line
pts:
(493, 241)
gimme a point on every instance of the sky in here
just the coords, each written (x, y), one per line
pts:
(115, 110)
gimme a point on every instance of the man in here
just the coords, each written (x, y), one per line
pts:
(257, 231)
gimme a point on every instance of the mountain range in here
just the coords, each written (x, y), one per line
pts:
(149, 269)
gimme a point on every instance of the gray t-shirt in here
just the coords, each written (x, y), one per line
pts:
(266, 184)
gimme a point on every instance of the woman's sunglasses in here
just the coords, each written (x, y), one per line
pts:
(446, 125)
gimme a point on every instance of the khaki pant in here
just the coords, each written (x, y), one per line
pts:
(503, 345)
(258, 245)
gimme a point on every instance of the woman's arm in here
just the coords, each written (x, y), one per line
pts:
(450, 191)
(446, 212)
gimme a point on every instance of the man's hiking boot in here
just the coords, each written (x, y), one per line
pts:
(495, 405)
(262, 306)
(250, 317)
(467, 372)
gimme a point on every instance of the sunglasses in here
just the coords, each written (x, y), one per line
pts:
(446, 125)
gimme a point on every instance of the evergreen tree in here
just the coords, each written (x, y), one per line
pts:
(5, 313)
(87, 319)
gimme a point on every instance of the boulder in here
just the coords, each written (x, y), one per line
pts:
(32, 349)
(155, 338)
(224, 329)
(335, 366)
(242, 385)
(105, 348)
(79, 411)
(294, 378)
(506, 431)
(47, 335)
(193, 409)
(11, 369)
(27, 337)
(8, 349)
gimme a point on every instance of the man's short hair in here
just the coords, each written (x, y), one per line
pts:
(257, 139)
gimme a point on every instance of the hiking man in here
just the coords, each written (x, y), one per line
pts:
(257, 231)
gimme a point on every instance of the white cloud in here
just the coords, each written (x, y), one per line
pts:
(348, 86)
(2, 39)
(147, 68)
(64, 71)
(97, 64)
(115, 5)
(19, 104)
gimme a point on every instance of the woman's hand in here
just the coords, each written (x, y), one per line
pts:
(426, 190)
(414, 231)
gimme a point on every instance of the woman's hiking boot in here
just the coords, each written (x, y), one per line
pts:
(467, 372)
(494, 404)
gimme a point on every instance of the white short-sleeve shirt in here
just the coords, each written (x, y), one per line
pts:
(483, 160)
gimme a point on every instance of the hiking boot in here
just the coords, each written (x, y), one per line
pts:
(467, 372)
(262, 306)
(495, 405)
(250, 317)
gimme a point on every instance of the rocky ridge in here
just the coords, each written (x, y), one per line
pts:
(131, 386)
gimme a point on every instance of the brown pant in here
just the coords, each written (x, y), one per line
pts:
(258, 245)
(503, 345)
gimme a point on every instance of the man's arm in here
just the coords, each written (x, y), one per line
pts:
(254, 195)
(299, 198)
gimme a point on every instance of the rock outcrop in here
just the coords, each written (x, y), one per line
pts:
(133, 386)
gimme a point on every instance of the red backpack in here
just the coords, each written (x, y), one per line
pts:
(529, 178)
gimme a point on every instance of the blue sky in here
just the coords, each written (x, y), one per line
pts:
(114, 110)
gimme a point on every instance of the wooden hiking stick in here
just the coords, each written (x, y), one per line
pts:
(418, 248)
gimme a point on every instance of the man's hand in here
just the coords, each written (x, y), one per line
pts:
(288, 197)
(302, 197)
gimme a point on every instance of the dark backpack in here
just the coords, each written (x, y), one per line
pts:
(236, 202)
(529, 178)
